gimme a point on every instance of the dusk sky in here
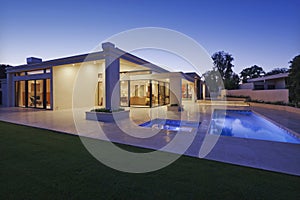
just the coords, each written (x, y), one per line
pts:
(265, 33)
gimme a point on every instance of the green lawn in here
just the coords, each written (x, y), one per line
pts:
(41, 164)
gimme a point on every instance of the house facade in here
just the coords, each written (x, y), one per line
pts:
(112, 73)
(272, 82)
(268, 89)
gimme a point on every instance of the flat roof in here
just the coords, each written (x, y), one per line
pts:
(275, 76)
(86, 58)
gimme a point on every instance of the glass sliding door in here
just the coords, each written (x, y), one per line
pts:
(36, 93)
(100, 93)
(187, 90)
(33, 93)
(161, 99)
(190, 91)
(167, 93)
(20, 96)
(48, 94)
(100, 90)
(124, 92)
(154, 93)
(39, 93)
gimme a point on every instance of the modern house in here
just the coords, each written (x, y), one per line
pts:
(50, 84)
(267, 88)
(272, 82)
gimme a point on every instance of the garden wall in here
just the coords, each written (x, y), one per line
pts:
(262, 95)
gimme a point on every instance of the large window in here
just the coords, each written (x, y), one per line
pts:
(144, 93)
(161, 94)
(33, 93)
(155, 93)
(21, 100)
(139, 93)
(187, 90)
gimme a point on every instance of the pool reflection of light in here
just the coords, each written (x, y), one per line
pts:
(171, 125)
(245, 124)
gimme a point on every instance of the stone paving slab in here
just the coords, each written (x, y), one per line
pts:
(287, 119)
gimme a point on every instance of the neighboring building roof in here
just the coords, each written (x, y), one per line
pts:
(275, 76)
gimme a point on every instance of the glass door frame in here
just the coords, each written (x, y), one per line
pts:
(27, 102)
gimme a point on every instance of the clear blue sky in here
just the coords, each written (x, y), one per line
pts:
(266, 33)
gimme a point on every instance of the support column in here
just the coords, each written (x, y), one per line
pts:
(10, 90)
(112, 77)
(176, 90)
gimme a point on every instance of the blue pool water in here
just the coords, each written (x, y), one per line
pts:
(246, 124)
(170, 124)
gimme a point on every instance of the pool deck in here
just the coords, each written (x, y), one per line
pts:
(274, 156)
(287, 119)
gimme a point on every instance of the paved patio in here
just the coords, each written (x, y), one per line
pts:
(275, 156)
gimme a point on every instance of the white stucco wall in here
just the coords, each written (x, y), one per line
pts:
(175, 90)
(263, 95)
(63, 83)
(64, 78)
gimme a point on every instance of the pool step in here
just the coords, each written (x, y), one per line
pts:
(222, 102)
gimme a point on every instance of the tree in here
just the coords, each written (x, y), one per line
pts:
(3, 71)
(223, 64)
(251, 72)
(277, 71)
(232, 83)
(294, 81)
(213, 80)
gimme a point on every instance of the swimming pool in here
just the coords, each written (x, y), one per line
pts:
(171, 124)
(246, 124)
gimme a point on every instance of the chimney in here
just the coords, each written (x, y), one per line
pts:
(33, 60)
(107, 46)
